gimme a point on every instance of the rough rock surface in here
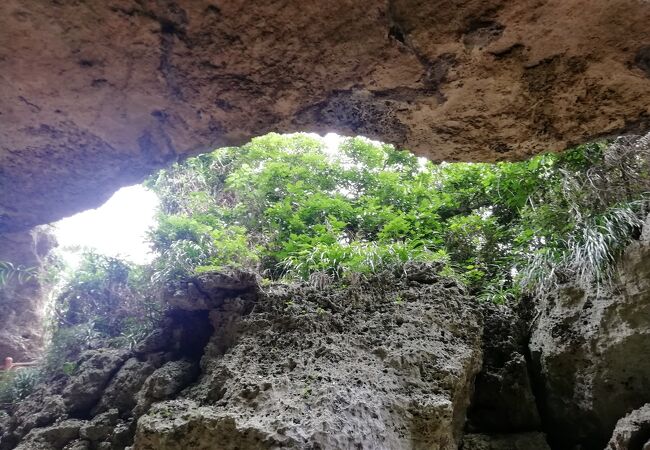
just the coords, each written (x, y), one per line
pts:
(96, 94)
(23, 302)
(589, 350)
(503, 400)
(522, 441)
(386, 364)
(86, 410)
(632, 431)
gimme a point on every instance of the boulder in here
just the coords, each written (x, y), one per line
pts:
(166, 382)
(52, 437)
(122, 389)
(632, 432)
(587, 346)
(100, 427)
(388, 363)
(95, 369)
(78, 444)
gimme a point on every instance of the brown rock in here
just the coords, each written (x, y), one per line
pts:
(97, 94)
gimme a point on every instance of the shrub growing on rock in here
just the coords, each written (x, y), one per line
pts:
(288, 206)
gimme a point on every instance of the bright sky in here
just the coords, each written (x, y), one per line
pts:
(119, 226)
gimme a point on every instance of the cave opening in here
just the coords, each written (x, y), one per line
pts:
(333, 211)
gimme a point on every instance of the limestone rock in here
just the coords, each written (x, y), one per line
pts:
(103, 389)
(522, 441)
(52, 437)
(100, 427)
(632, 431)
(209, 290)
(122, 389)
(165, 382)
(40, 409)
(78, 444)
(5, 420)
(96, 95)
(122, 436)
(385, 364)
(96, 368)
(645, 233)
(587, 347)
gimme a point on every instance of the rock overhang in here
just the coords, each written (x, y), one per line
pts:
(95, 95)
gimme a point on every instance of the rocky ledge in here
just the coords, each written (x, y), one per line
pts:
(384, 363)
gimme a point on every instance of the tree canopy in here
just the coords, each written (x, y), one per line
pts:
(288, 206)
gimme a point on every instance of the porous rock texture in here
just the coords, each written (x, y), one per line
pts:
(385, 363)
(95, 406)
(632, 431)
(589, 350)
(23, 297)
(96, 94)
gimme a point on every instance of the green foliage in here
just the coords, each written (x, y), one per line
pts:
(18, 384)
(289, 207)
(10, 271)
(185, 243)
(106, 301)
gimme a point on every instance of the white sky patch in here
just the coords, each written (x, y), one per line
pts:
(332, 142)
(117, 228)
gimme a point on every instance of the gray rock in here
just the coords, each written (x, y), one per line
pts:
(632, 431)
(384, 364)
(5, 422)
(39, 410)
(78, 444)
(165, 382)
(645, 233)
(96, 368)
(209, 290)
(55, 436)
(521, 441)
(122, 389)
(100, 427)
(122, 435)
(588, 348)
(503, 400)
(422, 272)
